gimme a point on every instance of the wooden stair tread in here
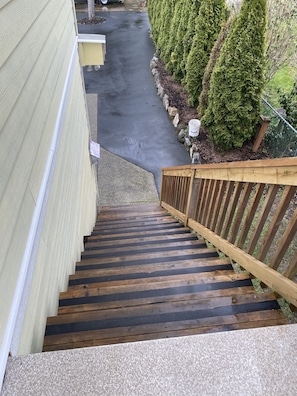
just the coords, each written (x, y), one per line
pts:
(142, 248)
(139, 233)
(204, 277)
(72, 308)
(154, 331)
(91, 243)
(144, 276)
(196, 264)
(148, 257)
(146, 289)
(177, 307)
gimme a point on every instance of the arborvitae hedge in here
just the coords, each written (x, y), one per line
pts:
(168, 55)
(214, 56)
(237, 80)
(188, 39)
(155, 8)
(178, 51)
(165, 16)
(212, 15)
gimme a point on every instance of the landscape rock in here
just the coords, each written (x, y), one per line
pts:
(196, 159)
(181, 136)
(188, 142)
(172, 111)
(166, 101)
(176, 120)
(155, 72)
(193, 149)
(153, 63)
(160, 91)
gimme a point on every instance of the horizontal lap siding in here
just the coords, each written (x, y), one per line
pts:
(33, 67)
(70, 204)
(27, 124)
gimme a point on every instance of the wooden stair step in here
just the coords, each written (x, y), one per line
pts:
(145, 258)
(162, 246)
(156, 331)
(203, 265)
(130, 217)
(180, 285)
(203, 277)
(120, 303)
(124, 208)
(134, 222)
(143, 276)
(146, 208)
(138, 227)
(138, 241)
(138, 234)
(147, 311)
(91, 279)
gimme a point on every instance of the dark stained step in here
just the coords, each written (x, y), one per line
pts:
(150, 270)
(159, 313)
(162, 288)
(129, 242)
(144, 276)
(137, 234)
(142, 249)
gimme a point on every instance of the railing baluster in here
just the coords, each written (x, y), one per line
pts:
(242, 204)
(292, 268)
(218, 204)
(232, 208)
(225, 204)
(275, 223)
(206, 201)
(262, 218)
(250, 215)
(285, 241)
(202, 189)
(212, 204)
(189, 196)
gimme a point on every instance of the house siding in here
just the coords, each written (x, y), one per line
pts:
(36, 46)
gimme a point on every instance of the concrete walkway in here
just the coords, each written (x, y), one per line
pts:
(256, 362)
(119, 181)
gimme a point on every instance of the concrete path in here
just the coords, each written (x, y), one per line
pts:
(254, 362)
(132, 122)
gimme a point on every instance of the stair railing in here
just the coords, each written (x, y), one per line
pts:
(247, 210)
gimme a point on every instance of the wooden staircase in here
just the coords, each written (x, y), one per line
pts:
(143, 276)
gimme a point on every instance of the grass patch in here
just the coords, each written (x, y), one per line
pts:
(282, 82)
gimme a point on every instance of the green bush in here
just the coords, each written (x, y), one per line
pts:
(214, 56)
(168, 55)
(289, 103)
(165, 19)
(154, 10)
(178, 51)
(212, 15)
(189, 34)
(236, 83)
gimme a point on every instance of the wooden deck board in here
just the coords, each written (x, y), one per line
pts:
(144, 276)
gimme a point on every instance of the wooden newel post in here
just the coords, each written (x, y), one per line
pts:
(263, 125)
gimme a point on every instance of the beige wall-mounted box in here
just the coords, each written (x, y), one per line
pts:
(92, 49)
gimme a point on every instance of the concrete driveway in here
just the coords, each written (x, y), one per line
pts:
(132, 122)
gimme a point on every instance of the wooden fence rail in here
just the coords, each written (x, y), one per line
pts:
(247, 210)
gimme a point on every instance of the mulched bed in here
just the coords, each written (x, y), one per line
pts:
(178, 98)
(87, 21)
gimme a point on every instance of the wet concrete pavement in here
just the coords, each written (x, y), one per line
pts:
(132, 122)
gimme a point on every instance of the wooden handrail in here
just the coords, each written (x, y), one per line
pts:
(248, 210)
